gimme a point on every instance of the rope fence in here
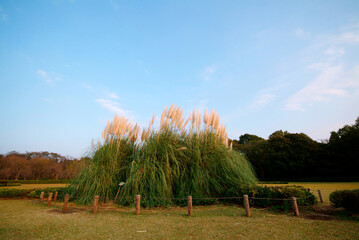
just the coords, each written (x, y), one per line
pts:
(189, 200)
(211, 198)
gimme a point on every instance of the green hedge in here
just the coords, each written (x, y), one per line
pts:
(13, 193)
(10, 184)
(303, 196)
(16, 182)
(348, 199)
(43, 181)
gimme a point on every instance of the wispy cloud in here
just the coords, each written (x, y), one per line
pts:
(113, 95)
(143, 67)
(112, 106)
(335, 53)
(333, 76)
(263, 100)
(208, 72)
(348, 37)
(332, 81)
(87, 87)
(47, 100)
(300, 33)
(48, 77)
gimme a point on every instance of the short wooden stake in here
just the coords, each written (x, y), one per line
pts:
(42, 196)
(95, 204)
(295, 206)
(320, 196)
(246, 205)
(138, 204)
(49, 200)
(66, 202)
(118, 191)
(308, 189)
(190, 211)
(55, 198)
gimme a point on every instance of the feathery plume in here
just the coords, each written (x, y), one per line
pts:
(198, 120)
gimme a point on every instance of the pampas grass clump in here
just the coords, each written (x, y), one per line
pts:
(182, 157)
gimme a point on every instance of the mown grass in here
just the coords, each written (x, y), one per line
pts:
(28, 219)
(325, 187)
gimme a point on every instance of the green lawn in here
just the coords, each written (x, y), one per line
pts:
(29, 219)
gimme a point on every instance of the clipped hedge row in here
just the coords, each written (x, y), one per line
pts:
(14, 193)
(11, 184)
(49, 181)
(348, 199)
(44, 181)
(33, 193)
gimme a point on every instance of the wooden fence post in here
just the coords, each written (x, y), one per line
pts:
(49, 200)
(95, 204)
(42, 196)
(190, 206)
(138, 204)
(295, 206)
(66, 201)
(320, 196)
(55, 198)
(246, 205)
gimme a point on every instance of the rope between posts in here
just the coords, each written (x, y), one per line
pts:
(165, 198)
(275, 199)
(214, 198)
(220, 198)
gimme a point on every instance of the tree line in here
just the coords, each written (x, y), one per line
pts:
(295, 156)
(38, 165)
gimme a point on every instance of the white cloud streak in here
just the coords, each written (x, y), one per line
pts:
(335, 53)
(334, 78)
(49, 78)
(299, 33)
(112, 106)
(113, 95)
(263, 100)
(332, 81)
(208, 72)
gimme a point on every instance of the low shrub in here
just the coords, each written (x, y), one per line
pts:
(348, 199)
(13, 193)
(272, 196)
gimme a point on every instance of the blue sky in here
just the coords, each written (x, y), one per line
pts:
(66, 67)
